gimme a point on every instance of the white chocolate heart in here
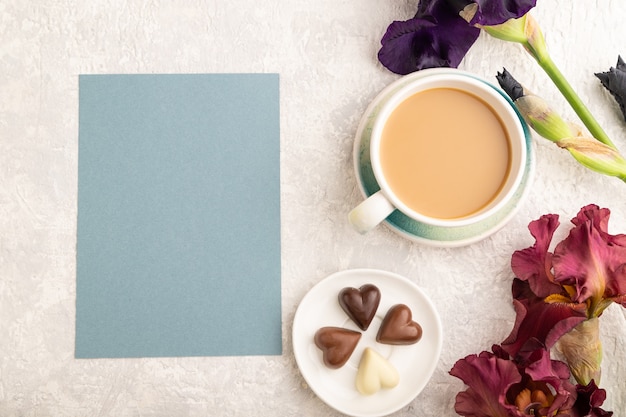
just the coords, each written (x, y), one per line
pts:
(375, 373)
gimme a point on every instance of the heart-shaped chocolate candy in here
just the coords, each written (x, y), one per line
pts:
(360, 304)
(398, 327)
(374, 373)
(337, 344)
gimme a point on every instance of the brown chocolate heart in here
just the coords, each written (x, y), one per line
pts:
(337, 344)
(360, 304)
(398, 327)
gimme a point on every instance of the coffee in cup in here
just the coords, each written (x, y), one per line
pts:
(446, 150)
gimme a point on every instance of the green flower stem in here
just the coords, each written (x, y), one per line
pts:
(573, 99)
(527, 32)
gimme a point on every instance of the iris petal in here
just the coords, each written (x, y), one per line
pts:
(540, 368)
(436, 37)
(591, 259)
(599, 218)
(538, 323)
(589, 400)
(533, 264)
(488, 379)
(499, 386)
(495, 12)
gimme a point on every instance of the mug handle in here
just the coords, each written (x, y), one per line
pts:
(370, 212)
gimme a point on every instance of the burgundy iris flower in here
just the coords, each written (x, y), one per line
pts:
(592, 261)
(558, 296)
(442, 31)
(587, 268)
(537, 322)
(498, 386)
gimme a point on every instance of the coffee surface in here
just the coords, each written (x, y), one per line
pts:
(445, 153)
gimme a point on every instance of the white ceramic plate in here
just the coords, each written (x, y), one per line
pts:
(415, 363)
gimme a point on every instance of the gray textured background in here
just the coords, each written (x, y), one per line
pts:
(325, 52)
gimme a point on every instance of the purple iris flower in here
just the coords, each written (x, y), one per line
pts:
(438, 35)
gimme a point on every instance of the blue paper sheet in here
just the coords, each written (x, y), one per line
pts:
(178, 241)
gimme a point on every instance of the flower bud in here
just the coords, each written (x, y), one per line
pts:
(513, 30)
(589, 152)
(542, 119)
(535, 111)
(523, 30)
(614, 81)
(582, 350)
(536, 44)
(595, 155)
